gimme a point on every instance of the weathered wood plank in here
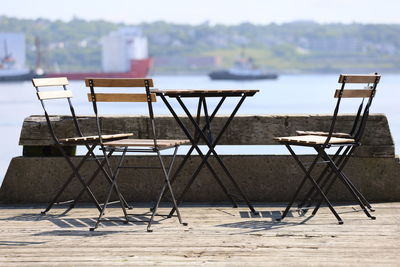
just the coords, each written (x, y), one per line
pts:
(361, 93)
(118, 82)
(40, 82)
(244, 129)
(216, 235)
(45, 95)
(358, 78)
(106, 97)
(313, 139)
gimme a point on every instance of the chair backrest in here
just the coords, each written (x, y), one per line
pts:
(114, 83)
(367, 84)
(62, 93)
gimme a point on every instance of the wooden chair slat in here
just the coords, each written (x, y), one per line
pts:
(343, 135)
(145, 143)
(313, 140)
(54, 94)
(359, 78)
(94, 138)
(118, 82)
(108, 97)
(40, 82)
(354, 93)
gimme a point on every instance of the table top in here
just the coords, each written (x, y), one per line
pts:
(204, 92)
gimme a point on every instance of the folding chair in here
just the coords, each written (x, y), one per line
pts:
(152, 145)
(346, 144)
(90, 142)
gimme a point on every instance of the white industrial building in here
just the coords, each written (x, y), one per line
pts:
(122, 46)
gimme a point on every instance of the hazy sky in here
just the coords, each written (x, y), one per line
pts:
(214, 11)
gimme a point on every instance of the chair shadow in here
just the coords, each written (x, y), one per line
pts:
(258, 226)
(19, 243)
(74, 226)
(264, 214)
(74, 232)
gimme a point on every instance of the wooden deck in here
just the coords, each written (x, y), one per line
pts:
(216, 235)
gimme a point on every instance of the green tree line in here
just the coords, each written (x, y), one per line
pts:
(302, 46)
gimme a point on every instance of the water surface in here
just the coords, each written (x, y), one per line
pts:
(290, 94)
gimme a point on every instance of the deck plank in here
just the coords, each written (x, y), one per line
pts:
(216, 235)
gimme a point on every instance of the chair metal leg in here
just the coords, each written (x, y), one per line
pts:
(308, 173)
(116, 173)
(89, 183)
(332, 181)
(315, 184)
(108, 177)
(322, 180)
(77, 174)
(361, 196)
(112, 187)
(169, 175)
(345, 181)
(118, 193)
(166, 184)
(54, 200)
(94, 176)
(341, 165)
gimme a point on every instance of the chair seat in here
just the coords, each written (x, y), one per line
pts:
(341, 135)
(313, 140)
(93, 138)
(146, 143)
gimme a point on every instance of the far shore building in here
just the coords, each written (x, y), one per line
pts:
(195, 64)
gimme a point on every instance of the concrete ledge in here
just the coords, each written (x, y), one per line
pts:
(263, 178)
(244, 129)
(373, 168)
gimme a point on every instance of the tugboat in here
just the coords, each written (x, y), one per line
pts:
(9, 72)
(243, 69)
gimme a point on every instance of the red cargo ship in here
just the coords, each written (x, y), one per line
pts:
(124, 55)
(139, 69)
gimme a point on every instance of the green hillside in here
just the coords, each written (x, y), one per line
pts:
(290, 47)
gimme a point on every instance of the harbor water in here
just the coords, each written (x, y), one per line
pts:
(289, 94)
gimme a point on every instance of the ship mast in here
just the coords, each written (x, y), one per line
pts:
(38, 61)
